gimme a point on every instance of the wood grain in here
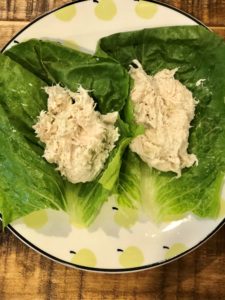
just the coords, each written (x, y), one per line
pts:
(211, 12)
(26, 275)
(21, 10)
(9, 29)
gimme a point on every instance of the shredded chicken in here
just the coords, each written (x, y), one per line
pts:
(166, 108)
(78, 139)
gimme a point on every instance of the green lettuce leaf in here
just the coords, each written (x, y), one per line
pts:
(84, 201)
(108, 82)
(198, 54)
(129, 183)
(106, 79)
(28, 182)
(110, 176)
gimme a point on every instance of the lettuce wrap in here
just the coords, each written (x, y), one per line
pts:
(198, 54)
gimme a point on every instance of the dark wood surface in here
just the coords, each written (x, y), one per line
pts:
(24, 274)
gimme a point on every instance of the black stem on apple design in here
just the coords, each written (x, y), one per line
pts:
(166, 247)
(115, 208)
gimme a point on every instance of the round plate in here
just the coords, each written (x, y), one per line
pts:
(113, 243)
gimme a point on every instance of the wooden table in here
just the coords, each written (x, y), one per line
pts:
(25, 274)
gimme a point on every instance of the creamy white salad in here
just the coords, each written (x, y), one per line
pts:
(77, 137)
(166, 108)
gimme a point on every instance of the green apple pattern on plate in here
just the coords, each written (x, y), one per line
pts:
(118, 241)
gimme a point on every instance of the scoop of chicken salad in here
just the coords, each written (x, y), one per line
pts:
(166, 108)
(77, 137)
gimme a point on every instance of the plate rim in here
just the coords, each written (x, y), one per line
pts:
(110, 270)
(94, 269)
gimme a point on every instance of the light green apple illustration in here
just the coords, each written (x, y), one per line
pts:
(84, 257)
(66, 14)
(222, 209)
(126, 217)
(105, 10)
(36, 220)
(176, 249)
(145, 9)
(131, 257)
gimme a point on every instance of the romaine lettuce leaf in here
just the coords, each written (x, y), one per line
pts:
(108, 82)
(84, 201)
(129, 183)
(110, 176)
(198, 54)
(106, 79)
(28, 182)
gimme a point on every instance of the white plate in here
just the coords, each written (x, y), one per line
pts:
(111, 244)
